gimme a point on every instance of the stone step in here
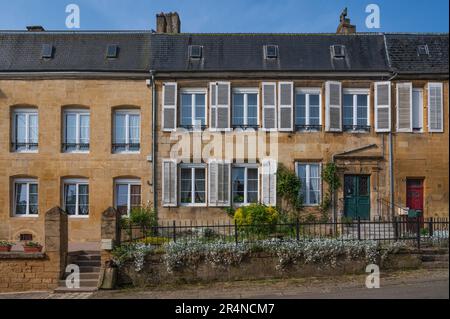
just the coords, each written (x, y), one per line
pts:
(435, 264)
(62, 290)
(429, 258)
(93, 263)
(88, 257)
(88, 269)
(83, 283)
(86, 275)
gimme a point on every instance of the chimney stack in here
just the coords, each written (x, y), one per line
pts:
(168, 23)
(345, 27)
(35, 28)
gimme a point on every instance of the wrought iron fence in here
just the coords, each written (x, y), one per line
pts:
(415, 231)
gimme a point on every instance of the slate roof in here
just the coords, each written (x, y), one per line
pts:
(141, 51)
(404, 58)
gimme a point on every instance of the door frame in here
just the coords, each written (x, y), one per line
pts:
(422, 179)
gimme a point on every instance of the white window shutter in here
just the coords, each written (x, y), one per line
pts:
(269, 102)
(222, 96)
(269, 182)
(383, 107)
(333, 118)
(435, 107)
(169, 183)
(219, 183)
(286, 106)
(213, 104)
(169, 113)
(404, 107)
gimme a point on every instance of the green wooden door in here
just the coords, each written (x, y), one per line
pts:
(357, 196)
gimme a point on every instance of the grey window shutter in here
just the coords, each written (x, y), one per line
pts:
(435, 107)
(213, 103)
(269, 182)
(383, 107)
(169, 113)
(269, 100)
(333, 119)
(222, 95)
(404, 107)
(169, 183)
(219, 183)
(286, 106)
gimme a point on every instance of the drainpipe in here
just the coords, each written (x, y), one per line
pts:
(391, 166)
(154, 146)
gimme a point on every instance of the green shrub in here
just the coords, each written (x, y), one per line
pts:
(256, 219)
(288, 190)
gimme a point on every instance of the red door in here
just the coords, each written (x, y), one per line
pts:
(414, 194)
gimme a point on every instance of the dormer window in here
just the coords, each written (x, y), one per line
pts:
(195, 51)
(47, 51)
(338, 51)
(112, 51)
(271, 51)
(422, 50)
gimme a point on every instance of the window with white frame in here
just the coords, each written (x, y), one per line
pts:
(127, 195)
(245, 185)
(417, 114)
(127, 131)
(309, 174)
(245, 107)
(193, 108)
(192, 185)
(76, 197)
(76, 131)
(25, 130)
(356, 110)
(25, 197)
(308, 109)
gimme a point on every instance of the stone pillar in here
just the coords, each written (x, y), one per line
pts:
(56, 238)
(109, 232)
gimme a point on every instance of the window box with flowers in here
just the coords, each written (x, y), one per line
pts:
(32, 247)
(5, 246)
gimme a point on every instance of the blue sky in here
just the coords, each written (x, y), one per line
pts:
(228, 15)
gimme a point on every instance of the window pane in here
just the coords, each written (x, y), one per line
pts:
(83, 200)
(417, 110)
(186, 109)
(348, 109)
(84, 129)
(300, 109)
(301, 170)
(200, 108)
(238, 109)
(122, 195)
(252, 185)
(33, 197)
(71, 128)
(252, 109)
(314, 184)
(20, 128)
(119, 126)
(33, 129)
(135, 196)
(70, 198)
(200, 194)
(362, 110)
(134, 129)
(314, 109)
(186, 185)
(238, 184)
(21, 198)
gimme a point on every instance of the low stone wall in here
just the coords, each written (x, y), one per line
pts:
(21, 271)
(256, 266)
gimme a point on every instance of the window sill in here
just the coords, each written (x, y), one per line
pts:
(78, 217)
(77, 152)
(25, 152)
(127, 153)
(25, 216)
(192, 205)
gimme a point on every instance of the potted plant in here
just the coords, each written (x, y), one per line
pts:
(32, 247)
(5, 246)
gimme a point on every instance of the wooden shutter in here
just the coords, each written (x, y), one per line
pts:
(169, 113)
(404, 107)
(333, 119)
(382, 106)
(169, 183)
(220, 105)
(213, 104)
(269, 182)
(269, 101)
(219, 183)
(286, 106)
(435, 107)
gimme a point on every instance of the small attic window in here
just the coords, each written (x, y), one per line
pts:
(271, 51)
(112, 51)
(195, 51)
(47, 51)
(422, 50)
(338, 51)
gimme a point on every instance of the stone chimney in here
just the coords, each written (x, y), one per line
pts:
(345, 27)
(168, 23)
(35, 28)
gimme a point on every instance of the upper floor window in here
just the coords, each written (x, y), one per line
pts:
(356, 110)
(76, 197)
(309, 174)
(25, 197)
(193, 108)
(76, 131)
(127, 131)
(308, 109)
(417, 112)
(25, 130)
(192, 185)
(245, 185)
(127, 195)
(245, 108)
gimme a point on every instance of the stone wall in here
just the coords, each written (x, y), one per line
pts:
(21, 271)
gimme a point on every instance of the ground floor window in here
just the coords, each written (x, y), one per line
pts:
(245, 185)
(25, 197)
(127, 195)
(76, 197)
(309, 174)
(192, 185)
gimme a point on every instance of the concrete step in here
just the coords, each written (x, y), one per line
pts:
(88, 257)
(86, 275)
(83, 283)
(93, 263)
(435, 265)
(89, 269)
(62, 290)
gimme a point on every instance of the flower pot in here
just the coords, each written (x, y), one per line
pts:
(5, 249)
(29, 249)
